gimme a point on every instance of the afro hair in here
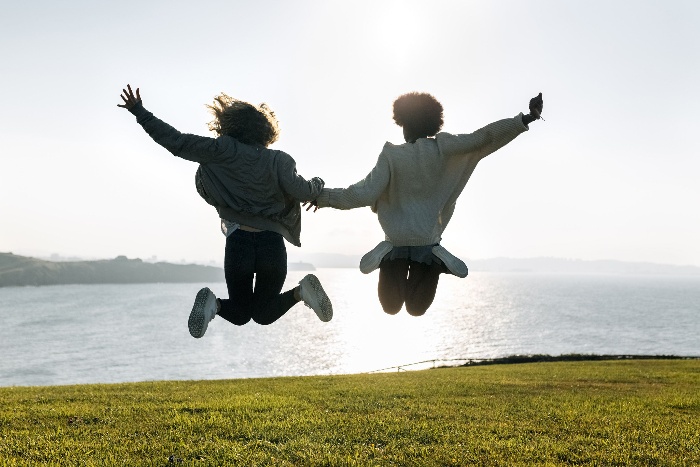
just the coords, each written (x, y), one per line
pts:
(419, 112)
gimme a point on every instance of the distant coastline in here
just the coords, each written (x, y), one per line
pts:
(300, 266)
(16, 270)
(577, 266)
(26, 271)
(543, 265)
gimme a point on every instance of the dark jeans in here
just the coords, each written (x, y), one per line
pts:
(261, 256)
(410, 282)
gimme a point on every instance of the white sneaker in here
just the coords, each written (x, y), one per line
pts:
(371, 260)
(203, 311)
(455, 265)
(313, 296)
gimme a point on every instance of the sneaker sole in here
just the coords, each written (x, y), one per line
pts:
(325, 311)
(455, 265)
(196, 323)
(373, 259)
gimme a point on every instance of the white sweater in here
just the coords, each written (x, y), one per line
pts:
(414, 186)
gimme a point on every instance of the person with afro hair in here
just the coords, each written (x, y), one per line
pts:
(257, 194)
(413, 189)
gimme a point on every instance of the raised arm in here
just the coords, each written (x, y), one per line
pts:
(191, 147)
(492, 137)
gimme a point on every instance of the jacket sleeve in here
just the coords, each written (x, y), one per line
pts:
(190, 147)
(363, 193)
(483, 141)
(294, 184)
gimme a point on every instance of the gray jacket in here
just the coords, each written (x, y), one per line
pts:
(250, 185)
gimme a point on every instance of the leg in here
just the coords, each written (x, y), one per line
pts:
(239, 268)
(422, 284)
(270, 273)
(392, 285)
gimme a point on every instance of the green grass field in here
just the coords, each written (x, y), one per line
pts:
(632, 412)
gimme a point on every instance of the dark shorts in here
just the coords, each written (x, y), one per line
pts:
(409, 275)
(419, 254)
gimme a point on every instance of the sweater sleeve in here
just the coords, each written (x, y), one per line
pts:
(190, 147)
(363, 193)
(483, 141)
(294, 184)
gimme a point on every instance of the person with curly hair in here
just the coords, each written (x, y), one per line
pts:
(257, 193)
(413, 189)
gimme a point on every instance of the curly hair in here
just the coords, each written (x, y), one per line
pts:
(419, 112)
(243, 121)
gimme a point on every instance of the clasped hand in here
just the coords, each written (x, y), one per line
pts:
(311, 204)
(536, 106)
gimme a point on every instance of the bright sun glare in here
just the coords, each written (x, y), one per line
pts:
(394, 35)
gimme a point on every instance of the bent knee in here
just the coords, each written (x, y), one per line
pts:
(237, 319)
(390, 307)
(417, 309)
(262, 320)
(391, 310)
(416, 312)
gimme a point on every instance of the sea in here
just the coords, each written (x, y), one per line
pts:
(83, 334)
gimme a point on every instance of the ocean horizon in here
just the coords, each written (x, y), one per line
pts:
(106, 333)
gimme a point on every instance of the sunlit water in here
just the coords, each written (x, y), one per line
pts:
(117, 333)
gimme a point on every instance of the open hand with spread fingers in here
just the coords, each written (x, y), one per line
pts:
(129, 99)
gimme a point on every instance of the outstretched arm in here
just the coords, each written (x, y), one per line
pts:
(490, 138)
(191, 147)
(363, 193)
(296, 185)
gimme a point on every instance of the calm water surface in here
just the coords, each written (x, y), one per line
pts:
(117, 333)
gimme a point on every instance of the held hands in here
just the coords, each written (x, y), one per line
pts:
(311, 204)
(536, 105)
(129, 99)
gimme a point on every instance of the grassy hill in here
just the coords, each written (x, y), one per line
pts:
(629, 412)
(22, 270)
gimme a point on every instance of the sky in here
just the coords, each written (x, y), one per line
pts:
(612, 172)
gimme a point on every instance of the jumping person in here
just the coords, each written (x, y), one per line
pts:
(257, 194)
(413, 189)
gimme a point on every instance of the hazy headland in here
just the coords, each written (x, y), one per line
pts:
(16, 270)
(23, 270)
